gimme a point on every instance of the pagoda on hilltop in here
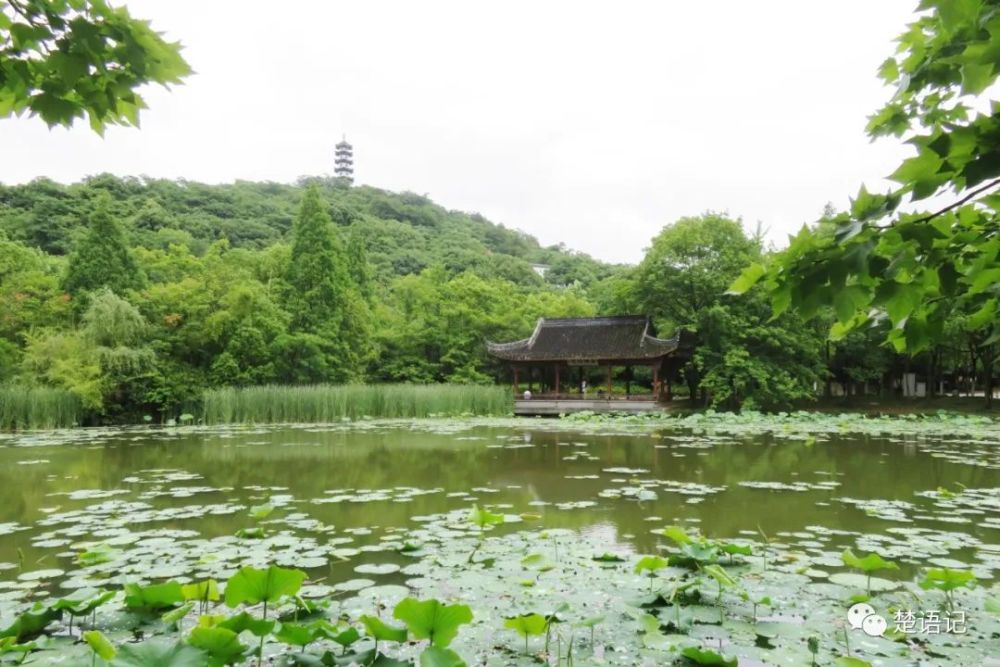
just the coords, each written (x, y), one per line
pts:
(344, 160)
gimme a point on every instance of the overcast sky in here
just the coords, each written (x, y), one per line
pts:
(593, 124)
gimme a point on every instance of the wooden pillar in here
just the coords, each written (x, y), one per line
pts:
(557, 379)
(609, 380)
(656, 383)
(515, 381)
(531, 373)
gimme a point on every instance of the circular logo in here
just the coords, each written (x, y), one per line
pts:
(874, 625)
(862, 616)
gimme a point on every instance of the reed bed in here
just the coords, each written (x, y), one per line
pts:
(275, 404)
(23, 408)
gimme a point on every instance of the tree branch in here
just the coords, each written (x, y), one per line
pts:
(964, 200)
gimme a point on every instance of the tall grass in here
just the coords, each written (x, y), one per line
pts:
(24, 407)
(326, 403)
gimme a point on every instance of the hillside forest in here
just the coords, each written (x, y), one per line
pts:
(137, 294)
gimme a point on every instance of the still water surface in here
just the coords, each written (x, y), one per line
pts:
(360, 482)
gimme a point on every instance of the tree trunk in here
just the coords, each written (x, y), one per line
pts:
(931, 368)
(827, 386)
(988, 358)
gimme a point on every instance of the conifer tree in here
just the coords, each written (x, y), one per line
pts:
(102, 258)
(322, 300)
(317, 273)
(358, 266)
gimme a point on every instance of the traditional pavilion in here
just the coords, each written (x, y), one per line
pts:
(560, 349)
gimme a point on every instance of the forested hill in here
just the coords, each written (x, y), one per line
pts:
(404, 232)
(134, 295)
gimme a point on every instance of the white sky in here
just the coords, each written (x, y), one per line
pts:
(593, 124)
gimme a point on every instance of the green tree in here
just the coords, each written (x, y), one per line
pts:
(118, 336)
(357, 264)
(64, 359)
(742, 358)
(916, 270)
(66, 59)
(689, 266)
(322, 299)
(317, 273)
(102, 258)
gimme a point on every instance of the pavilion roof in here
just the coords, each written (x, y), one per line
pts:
(617, 338)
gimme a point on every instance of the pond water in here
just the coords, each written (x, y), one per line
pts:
(847, 490)
(351, 504)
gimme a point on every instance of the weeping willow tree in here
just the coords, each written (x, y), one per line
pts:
(102, 361)
(117, 331)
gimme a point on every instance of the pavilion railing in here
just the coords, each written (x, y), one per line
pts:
(589, 396)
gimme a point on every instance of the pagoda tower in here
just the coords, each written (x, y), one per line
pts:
(344, 160)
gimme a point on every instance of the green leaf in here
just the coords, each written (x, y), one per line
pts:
(848, 661)
(201, 591)
(245, 622)
(71, 67)
(154, 597)
(31, 622)
(436, 656)
(527, 625)
(984, 280)
(483, 518)
(295, 634)
(866, 206)
(900, 300)
(651, 563)
(175, 615)
(431, 619)
(261, 511)
(889, 70)
(536, 562)
(383, 631)
(99, 644)
(677, 534)
(708, 657)
(870, 563)
(741, 549)
(607, 557)
(923, 167)
(590, 621)
(343, 636)
(976, 77)
(718, 573)
(253, 586)
(848, 300)
(747, 279)
(96, 554)
(957, 14)
(946, 579)
(984, 315)
(160, 653)
(222, 645)
(83, 601)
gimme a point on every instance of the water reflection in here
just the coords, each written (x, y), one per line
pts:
(527, 471)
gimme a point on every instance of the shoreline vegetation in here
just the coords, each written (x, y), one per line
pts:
(329, 403)
(43, 408)
(24, 407)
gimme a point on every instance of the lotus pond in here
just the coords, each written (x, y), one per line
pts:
(707, 540)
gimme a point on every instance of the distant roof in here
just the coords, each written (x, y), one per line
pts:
(618, 338)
